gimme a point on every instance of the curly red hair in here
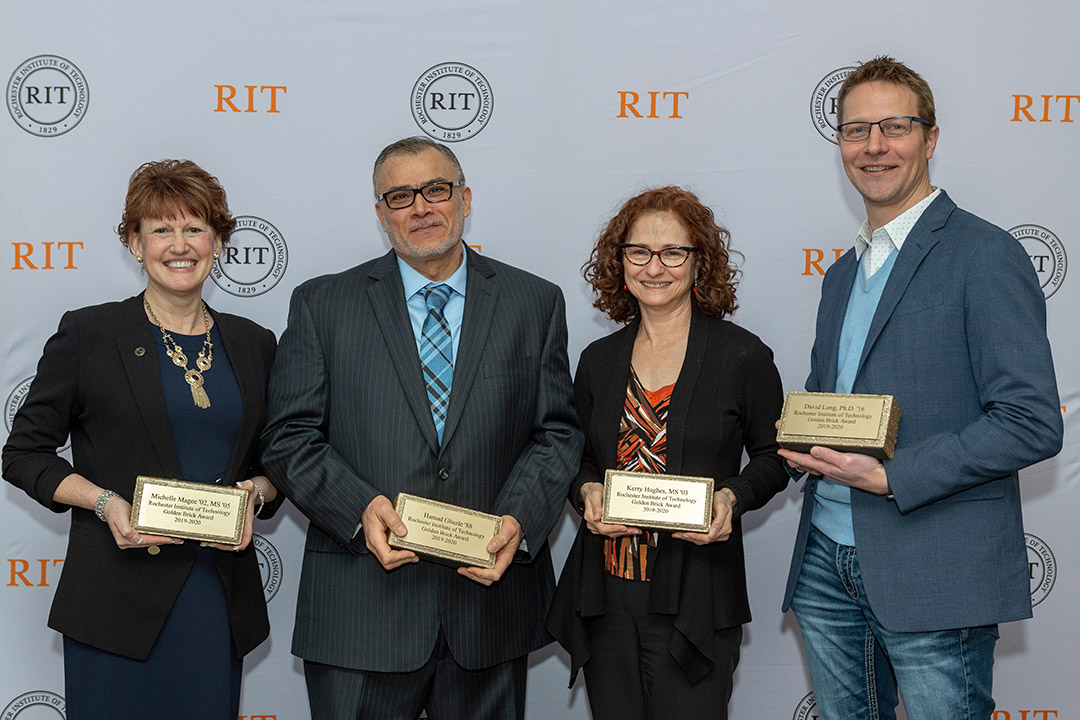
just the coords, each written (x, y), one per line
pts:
(716, 276)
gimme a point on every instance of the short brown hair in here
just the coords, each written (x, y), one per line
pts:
(170, 188)
(714, 292)
(413, 146)
(886, 69)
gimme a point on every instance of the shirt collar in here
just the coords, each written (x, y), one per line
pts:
(898, 228)
(414, 282)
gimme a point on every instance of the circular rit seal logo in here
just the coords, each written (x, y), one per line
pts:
(451, 102)
(269, 565)
(1047, 254)
(254, 260)
(47, 95)
(37, 705)
(823, 105)
(807, 709)
(1042, 568)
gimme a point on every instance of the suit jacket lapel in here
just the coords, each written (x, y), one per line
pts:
(918, 243)
(144, 378)
(387, 296)
(481, 296)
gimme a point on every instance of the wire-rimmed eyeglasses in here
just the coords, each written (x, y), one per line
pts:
(892, 127)
(436, 192)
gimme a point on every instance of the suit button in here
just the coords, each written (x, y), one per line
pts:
(444, 474)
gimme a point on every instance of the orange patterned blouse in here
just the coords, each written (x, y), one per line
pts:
(642, 448)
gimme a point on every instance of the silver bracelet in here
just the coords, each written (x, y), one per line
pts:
(262, 499)
(103, 500)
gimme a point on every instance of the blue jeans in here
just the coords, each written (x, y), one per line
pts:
(856, 665)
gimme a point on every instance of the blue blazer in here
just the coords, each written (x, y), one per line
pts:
(959, 340)
(349, 419)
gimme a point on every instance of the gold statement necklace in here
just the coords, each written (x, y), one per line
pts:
(193, 377)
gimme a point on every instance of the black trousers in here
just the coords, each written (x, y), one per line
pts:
(631, 675)
(443, 688)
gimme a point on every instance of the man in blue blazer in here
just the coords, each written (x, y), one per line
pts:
(438, 372)
(903, 568)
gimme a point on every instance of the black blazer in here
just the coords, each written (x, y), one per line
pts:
(98, 379)
(349, 420)
(727, 399)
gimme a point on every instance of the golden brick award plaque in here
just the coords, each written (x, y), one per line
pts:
(445, 533)
(189, 510)
(658, 502)
(864, 424)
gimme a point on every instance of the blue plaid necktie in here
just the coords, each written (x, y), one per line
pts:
(437, 354)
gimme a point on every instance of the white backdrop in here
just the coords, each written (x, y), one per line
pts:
(288, 104)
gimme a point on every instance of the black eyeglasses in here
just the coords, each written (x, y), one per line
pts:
(893, 127)
(671, 257)
(435, 192)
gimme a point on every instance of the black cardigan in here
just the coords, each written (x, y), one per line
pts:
(727, 399)
(98, 379)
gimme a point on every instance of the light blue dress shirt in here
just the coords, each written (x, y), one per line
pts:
(832, 500)
(454, 310)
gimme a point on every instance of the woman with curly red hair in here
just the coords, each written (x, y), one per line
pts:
(655, 618)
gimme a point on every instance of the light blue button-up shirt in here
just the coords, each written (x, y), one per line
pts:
(454, 309)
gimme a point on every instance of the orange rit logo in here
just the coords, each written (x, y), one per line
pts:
(227, 93)
(812, 258)
(31, 256)
(21, 573)
(664, 101)
(1050, 108)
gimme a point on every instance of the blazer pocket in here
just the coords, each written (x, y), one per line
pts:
(991, 490)
(318, 541)
(918, 304)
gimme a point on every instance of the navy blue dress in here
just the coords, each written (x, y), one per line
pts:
(193, 670)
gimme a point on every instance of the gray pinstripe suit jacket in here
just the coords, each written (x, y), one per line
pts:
(348, 420)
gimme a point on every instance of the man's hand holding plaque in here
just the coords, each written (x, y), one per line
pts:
(480, 545)
(379, 522)
(504, 545)
(849, 423)
(862, 472)
(842, 437)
